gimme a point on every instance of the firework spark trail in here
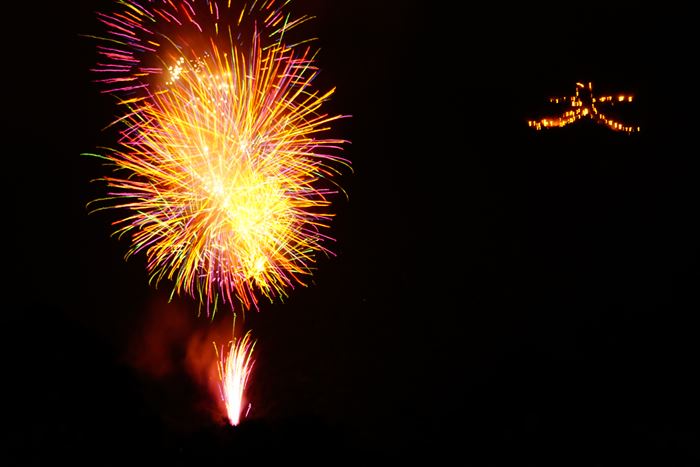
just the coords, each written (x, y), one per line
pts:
(235, 364)
(226, 186)
(147, 39)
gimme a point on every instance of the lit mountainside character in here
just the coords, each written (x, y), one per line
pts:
(583, 104)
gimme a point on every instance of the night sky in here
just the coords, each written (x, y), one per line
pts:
(498, 294)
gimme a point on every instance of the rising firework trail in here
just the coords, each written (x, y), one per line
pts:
(220, 173)
(235, 364)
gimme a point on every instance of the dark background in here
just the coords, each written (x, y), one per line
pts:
(498, 294)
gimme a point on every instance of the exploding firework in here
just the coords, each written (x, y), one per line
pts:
(235, 364)
(224, 181)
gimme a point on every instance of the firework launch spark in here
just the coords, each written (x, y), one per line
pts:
(235, 364)
(225, 183)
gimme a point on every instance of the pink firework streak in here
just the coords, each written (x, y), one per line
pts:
(235, 366)
(145, 39)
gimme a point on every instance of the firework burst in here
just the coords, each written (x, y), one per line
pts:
(235, 364)
(224, 180)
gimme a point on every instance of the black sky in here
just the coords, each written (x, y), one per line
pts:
(498, 294)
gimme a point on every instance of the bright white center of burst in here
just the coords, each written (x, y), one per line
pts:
(250, 213)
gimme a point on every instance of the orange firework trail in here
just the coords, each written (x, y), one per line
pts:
(225, 184)
(235, 365)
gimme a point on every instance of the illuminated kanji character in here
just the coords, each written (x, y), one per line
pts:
(584, 104)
